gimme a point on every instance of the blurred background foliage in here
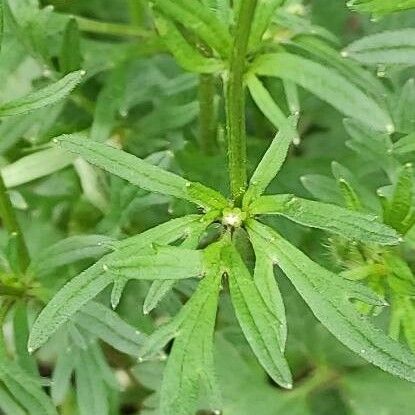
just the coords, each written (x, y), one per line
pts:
(136, 96)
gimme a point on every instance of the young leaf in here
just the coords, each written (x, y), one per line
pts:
(43, 97)
(392, 47)
(83, 288)
(195, 17)
(187, 363)
(141, 173)
(185, 54)
(70, 58)
(270, 164)
(327, 84)
(109, 327)
(331, 218)
(329, 296)
(264, 13)
(260, 325)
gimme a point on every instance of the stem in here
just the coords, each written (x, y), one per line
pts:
(10, 222)
(235, 100)
(207, 89)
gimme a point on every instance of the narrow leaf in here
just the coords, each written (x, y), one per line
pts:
(61, 378)
(327, 84)
(391, 47)
(197, 18)
(185, 54)
(83, 288)
(141, 173)
(109, 327)
(7, 403)
(331, 218)
(43, 97)
(328, 297)
(260, 325)
(269, 165)
(70, 58)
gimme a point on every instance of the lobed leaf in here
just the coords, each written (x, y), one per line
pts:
(331, 218)
(327, 84)
(392, 47)
(83, 288)
(141, 173)
(259, 323)
(43, 97)
(329, 296)
(191, 358)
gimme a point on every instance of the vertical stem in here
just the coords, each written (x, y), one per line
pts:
(207, 120)
(10, 222)
(235, 100)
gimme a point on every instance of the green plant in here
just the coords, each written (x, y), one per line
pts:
(226, 248)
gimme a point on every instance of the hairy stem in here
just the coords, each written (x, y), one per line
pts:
(207, 120)
(235, 100)
(11, 224)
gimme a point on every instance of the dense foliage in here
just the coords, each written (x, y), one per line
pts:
(207, 207)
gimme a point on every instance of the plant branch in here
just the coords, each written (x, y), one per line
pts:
(235, 100)
(11, 224)
(207, 120)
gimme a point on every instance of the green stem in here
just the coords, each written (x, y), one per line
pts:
(235, 100)
(207, 120)
(10, 222)
(106, 28)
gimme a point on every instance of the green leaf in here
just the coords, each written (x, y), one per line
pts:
(381, 7)
(265, 11)
(7, 402)
(1, 24)
(21, 336)
(266, 283)
(197, 18)
(268, 106)
(191, 358)
(162, 263)
(35, 166)
(327, 84)
(185, 54)
(25, 389)
(400, 205)
(270, 164)
(43, 97)
(90, 388)
(329, 296)
(393, 47)
(109, 327)
(331, 218)
(71, 250)
(141, 173)
(70, 58)
(259, 323)
(405, 145)
(83, 288)
(61, 378)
